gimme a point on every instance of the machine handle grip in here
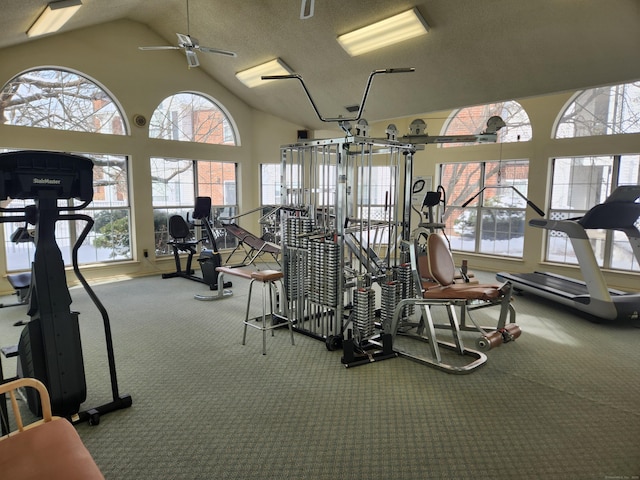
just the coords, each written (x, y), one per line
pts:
(535, 207)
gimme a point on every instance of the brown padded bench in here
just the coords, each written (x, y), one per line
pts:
(45, 449)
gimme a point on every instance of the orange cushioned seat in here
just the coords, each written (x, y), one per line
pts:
(48, 449)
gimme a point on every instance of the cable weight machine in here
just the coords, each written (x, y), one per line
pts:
(50, 347)
(344, 260)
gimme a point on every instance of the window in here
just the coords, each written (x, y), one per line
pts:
(602, 111)
(271, 194)
(191, 117)
(109, 238)
(376, 186)
(175, 185)
(493, 222)
(578, 184)
(473, 120)
(61, 100)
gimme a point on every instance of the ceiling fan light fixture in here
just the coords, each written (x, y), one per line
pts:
(389, 31)
(54, 16)
(252, 77)
(192, 58)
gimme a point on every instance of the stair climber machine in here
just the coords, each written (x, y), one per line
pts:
(49, 348)
(620, 212)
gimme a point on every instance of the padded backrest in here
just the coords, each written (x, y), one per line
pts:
(441, 266)
(178, 227)
(202, 208)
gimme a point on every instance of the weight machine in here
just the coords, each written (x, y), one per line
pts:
(343, 256)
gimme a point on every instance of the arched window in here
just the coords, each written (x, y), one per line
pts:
(192, 117)
(609, 110)
(62, 100)
(578, 183)
(473, 120)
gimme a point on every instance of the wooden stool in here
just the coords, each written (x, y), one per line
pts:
(268, 278)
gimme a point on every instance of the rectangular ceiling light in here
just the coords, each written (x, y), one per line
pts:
(386, 32)
(252, 77)
(54, 16)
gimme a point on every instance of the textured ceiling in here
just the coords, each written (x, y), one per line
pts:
(476, 51)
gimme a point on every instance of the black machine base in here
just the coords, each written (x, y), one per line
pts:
(92, 415)
(354, 356)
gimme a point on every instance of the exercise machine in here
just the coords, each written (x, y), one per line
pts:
(433, 273)
(21, 282)
(340, 253)
(49, 348)
(209, 259)
(620, 212)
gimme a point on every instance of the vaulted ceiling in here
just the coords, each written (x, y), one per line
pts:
(476, 51)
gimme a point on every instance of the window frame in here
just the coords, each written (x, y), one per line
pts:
(183, 123)
(101, 90)
(476, 211)
(185, 204)
(562, 128)
(603, 242)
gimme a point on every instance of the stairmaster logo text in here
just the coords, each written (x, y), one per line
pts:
(46, 181)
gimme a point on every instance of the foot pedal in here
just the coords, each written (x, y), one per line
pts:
(10, 351)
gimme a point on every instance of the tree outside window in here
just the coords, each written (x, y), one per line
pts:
(473, 120)
(608, 110)
(59, 99)
(493, 223)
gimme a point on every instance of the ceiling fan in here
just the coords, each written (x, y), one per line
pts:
(190, 45)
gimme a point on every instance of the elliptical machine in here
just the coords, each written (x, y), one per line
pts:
(49, 348)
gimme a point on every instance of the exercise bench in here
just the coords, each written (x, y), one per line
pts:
(253, 246)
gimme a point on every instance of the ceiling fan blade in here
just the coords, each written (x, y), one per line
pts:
(159, 48)
(218, 51)
(192, 58)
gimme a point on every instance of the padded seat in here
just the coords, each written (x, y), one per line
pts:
(461, 291)
(46, 449)
(437, 264)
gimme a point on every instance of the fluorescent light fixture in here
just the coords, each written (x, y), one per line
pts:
(386, 32)
(252, 77)
(54, 16)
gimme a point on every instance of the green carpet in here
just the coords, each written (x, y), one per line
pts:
(562, 402)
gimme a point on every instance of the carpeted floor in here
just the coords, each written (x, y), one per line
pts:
(562, 402)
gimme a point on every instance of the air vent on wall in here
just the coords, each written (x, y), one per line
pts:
(352, 108)
(139, 120)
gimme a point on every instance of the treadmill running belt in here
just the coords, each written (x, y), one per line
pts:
(551, 283)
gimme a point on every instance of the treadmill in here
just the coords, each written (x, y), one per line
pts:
(620, 211)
